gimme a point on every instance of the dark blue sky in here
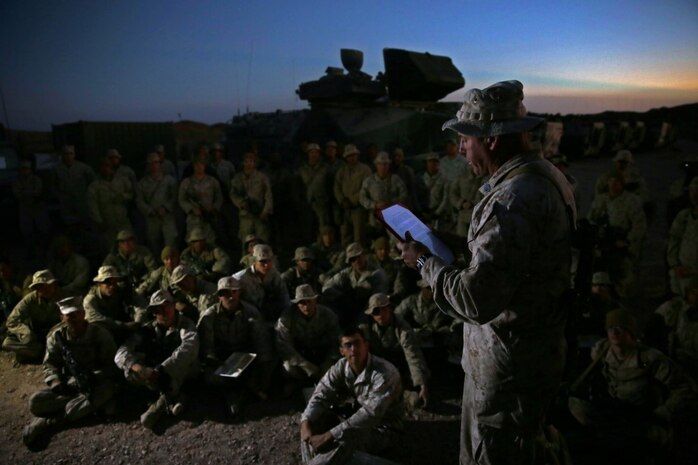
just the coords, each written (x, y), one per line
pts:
(62, 61)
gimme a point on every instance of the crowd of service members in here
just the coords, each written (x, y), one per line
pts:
(165, 319)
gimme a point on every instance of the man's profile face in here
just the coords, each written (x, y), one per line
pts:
(46, 291)
(307, 307)
(229, 298)
(451, 149)
(304, 264)
(127, 247)
(75, 321)
(171, 262)
(476, 153)
(352, 159)
(109, 287)
(198, 246)
(264, 266)
(620, 337)
(382, 315)
(165, 314)
(354, 349)
(359, 263)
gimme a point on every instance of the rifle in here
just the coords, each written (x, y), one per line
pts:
(85, 379)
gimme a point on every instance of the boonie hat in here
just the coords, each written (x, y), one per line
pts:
(350, 149)
(262, 252)
(303, 253)
(493, 111)
(70, 305)
(249, 238)
(601, 278)
(124, 235)
(432, 156)
(42, 277)
(228, 283)
(304, 292)
(196, 234)
(159, 297)
(181, 272)
(624, 155)
(377, 301)
(113, 153)
(330, 143)
(382, 157)
(106, 272)
(312, 147)
(353, 250)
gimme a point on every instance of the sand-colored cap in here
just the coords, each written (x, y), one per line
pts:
(493, 111)
(382, 157)
(350, 149)
(432, 156)
(68, 149)
(168, 251)
(312, 147)
(624, 155)
(330, 143)
(228, 283)
(125, 235)
(249, 238)
(42, 277)
(70, 305)
(106, 272)
(303, 253)
(304, 292)
(180, 272)
(262, 252)
(353, 250)
(196, 234)
(693, 185)
(601, 278)
(159, 297)
(113, 153)
(152, 157)
(159, 148)
(622, 318)
(378, 300)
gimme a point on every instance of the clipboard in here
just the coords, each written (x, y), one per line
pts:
(399, 220)
(235, 364)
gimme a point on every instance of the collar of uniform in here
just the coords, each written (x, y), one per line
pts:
(501, 174)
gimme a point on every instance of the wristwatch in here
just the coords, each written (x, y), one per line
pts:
(422, 259)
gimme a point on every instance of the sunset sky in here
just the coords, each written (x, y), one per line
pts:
(64, 61)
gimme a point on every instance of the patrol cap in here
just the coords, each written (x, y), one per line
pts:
(693, 185)
(622, 318)
(124, 235)
(181, 272)
(601, 278)
(378, 300)
(262, 252)
(303, 253)
(159, 298)
(228, 283)
(432, 156)
(330, 143)
(113, 153)
(249, 238)
(42, 277)
(168, 251)
(66, 149)
(312, 147)
(382, 157)
(493, 111)
(70, 305)
(106, 272)
(624, 155)
(350, 149)
(353, 250)
(152, 157)
(159, 148)
(304, 292)
(196, 234)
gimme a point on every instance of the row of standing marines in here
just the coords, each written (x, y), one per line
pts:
(163, 325)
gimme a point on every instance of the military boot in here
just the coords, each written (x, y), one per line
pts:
(36, 430)
(151, 416)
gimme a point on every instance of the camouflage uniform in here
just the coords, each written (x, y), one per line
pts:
(269, 293)
(29, 323)
(375, 190)
(195, 304)
(71, 184)
(161, 278)
(108, 199)
(397, 344)
(453, 168)
(682, 247)
(634, 182)
(371, 280)
(378, 392)
(177, 348)
(205, 194)
(425, 317)
(294, 277)
(225, 171)
(465, 189)
(347, 186)
(135, 268)
(625, 213)
(73, 274)
(437, 201)
(682, 322)
(210, 264)
(152, 195)
(128, 173)
(307, 342)
(315, 180)
(252, 189)
(94, 353)
(509, 298)
(111, 313)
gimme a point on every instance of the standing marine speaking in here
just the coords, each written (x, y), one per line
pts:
(509, 296)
